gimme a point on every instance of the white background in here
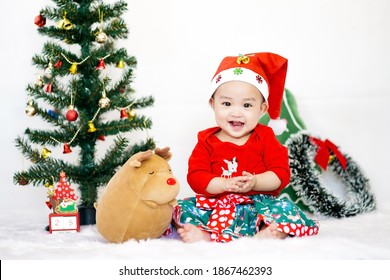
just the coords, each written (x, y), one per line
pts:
(338, 53)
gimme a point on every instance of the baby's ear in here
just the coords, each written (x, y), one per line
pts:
(264, 107)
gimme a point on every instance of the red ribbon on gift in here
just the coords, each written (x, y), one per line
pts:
(223, 214)
(323, 156)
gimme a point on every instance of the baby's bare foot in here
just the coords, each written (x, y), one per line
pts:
(189, 233)
(270, 231)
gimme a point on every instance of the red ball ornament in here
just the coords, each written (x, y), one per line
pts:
(40, 20)
(72, 114)
(23, 181)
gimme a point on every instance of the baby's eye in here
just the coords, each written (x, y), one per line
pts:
(247, 105)
(226, 103)
(151, 173)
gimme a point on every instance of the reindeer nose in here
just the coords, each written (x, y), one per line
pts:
(171, 181)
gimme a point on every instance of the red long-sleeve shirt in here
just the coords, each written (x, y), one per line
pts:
(211, 158)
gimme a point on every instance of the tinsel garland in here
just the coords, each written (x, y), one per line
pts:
(306, 181)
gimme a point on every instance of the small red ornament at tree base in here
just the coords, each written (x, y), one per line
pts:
(72, 114)
(23, 181)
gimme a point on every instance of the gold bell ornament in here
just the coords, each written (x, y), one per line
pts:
(74, 64)
(65, 23)
(120, 64)
(30, 109)
(45, 153)
(243, 59)
(131, 115)
(73, 68)
(91, 127)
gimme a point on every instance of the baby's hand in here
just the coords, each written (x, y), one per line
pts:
(240, 184)
(249, 181)
(234, 184)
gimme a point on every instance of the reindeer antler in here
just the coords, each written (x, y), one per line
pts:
(136, 162)
(164, 153)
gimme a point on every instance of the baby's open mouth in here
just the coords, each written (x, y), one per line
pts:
(236, 123)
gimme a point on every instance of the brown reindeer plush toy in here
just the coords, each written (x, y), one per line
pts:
(138, 200)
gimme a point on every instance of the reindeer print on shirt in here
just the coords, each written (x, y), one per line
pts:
(232, 167)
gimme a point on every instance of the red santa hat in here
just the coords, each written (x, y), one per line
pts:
(266, 71)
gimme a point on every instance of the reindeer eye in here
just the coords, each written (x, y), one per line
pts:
(151, 173)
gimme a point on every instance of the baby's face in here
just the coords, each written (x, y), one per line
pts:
(238, 107)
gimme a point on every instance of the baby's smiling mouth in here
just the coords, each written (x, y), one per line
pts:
(236, 123)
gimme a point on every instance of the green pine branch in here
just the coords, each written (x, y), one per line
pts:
(118, 155)
(114, 153)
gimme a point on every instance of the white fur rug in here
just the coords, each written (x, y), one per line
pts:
(364, 237)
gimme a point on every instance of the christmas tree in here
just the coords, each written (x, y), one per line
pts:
(75, 94)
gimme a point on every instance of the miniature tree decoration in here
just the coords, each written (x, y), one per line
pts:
(64, 197)
(63, 190)
(74, 95)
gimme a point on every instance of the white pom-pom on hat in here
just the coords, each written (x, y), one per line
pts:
(278, 125)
